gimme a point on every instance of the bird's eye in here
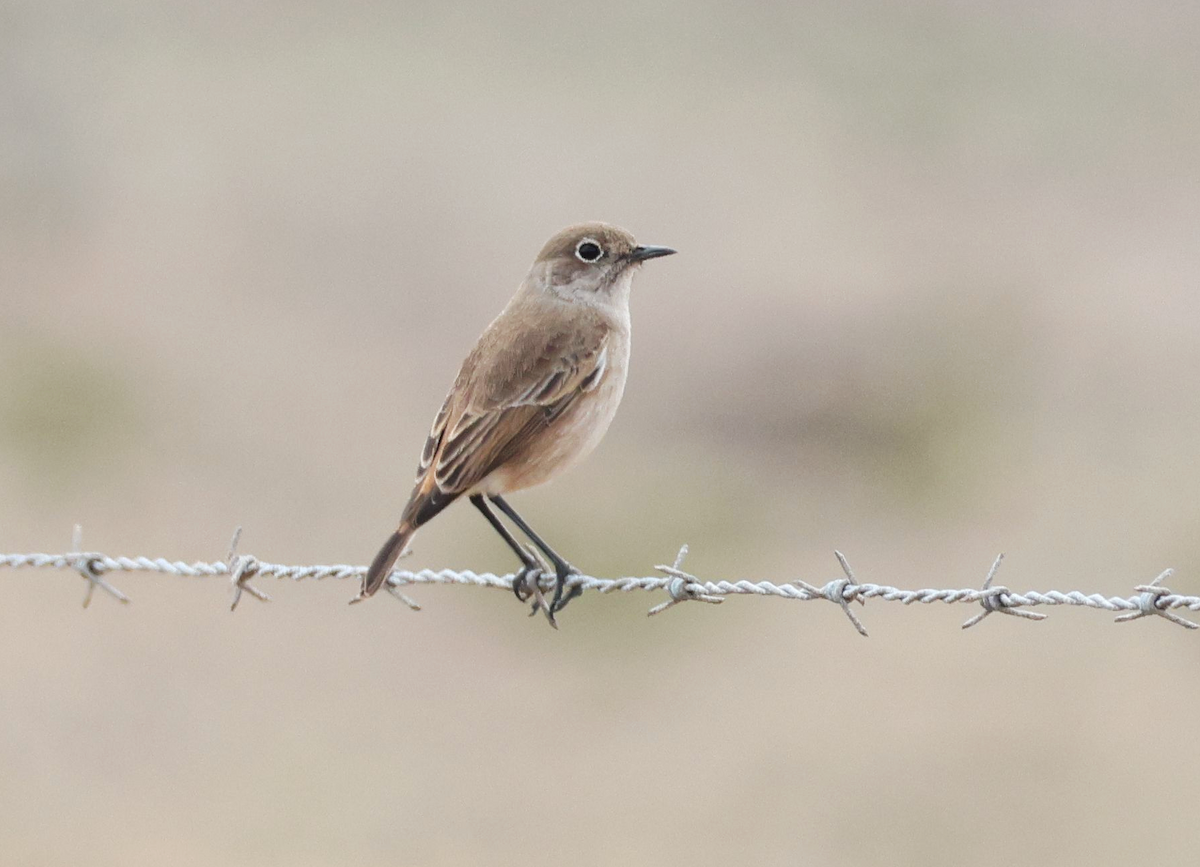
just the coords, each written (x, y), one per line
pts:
(588, 250)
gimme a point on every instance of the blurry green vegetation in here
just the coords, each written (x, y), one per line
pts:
(64, 410)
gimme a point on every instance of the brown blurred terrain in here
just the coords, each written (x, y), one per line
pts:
(936, 297)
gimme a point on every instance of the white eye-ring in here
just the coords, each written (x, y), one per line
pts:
(588, 250)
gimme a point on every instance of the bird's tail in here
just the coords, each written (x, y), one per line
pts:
(381, 566)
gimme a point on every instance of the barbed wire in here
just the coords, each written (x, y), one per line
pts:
(680, 586)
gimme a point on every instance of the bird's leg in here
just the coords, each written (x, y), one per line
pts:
(562, 568)
(525, 584)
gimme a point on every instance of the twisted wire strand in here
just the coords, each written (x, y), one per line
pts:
(1150, 599)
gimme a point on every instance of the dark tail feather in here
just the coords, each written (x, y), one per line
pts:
(381, 566)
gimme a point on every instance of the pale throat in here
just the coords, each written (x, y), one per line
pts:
(613, 298)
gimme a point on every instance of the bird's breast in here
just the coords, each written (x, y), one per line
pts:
(574, 434)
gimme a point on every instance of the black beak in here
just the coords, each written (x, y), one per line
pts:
(642, 252)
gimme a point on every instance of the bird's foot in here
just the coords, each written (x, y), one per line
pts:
(527, 583)
(524, 582)
(561, 594)
(573, 593)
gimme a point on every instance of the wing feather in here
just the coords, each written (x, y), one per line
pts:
(436, 434)
(499, 418)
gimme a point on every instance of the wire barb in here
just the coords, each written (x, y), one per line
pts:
(529, 583)
(1150, 602)
(683, 587)
(395, 582)
(242, 567)
(842, 591)
(91, 569)
(998, 600)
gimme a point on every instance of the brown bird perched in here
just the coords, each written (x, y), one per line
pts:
(534, 396)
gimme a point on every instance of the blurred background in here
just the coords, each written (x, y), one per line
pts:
(936, 298)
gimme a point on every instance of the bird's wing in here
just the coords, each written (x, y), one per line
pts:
(509, 391)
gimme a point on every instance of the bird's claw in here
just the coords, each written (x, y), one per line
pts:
(560, 600)
(527, 585)
(525, 581)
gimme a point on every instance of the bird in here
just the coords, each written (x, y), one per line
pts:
(533, 398)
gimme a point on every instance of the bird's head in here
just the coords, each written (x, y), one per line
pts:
(588, 261)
